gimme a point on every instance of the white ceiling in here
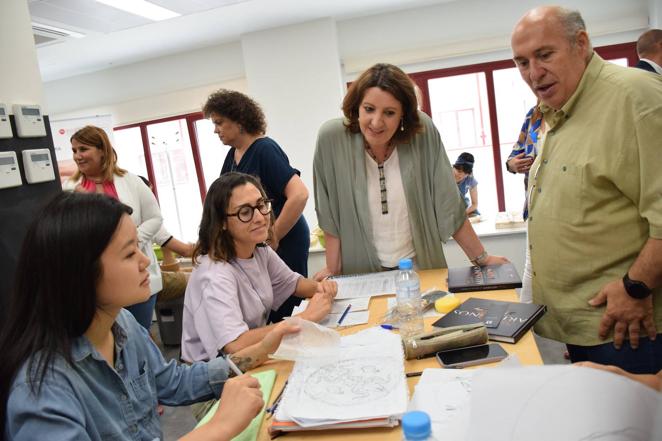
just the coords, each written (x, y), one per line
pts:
(113, 37)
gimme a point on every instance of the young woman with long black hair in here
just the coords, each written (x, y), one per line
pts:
(75, 364)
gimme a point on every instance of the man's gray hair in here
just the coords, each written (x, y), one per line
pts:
(572, 23)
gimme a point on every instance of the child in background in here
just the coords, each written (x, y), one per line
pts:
(466, 183)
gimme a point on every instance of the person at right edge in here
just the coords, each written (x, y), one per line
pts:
(649, 50)
(595, 211)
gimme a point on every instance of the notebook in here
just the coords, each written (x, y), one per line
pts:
(361, 385)
(250, 433)
(483, 278)
(505, 321)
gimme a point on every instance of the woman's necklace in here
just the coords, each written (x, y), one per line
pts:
(382, 176)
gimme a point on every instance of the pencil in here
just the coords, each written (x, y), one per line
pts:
(344, 314)
(233, 367)
(414, 374)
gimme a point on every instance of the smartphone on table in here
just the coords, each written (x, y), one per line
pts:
(471, 356)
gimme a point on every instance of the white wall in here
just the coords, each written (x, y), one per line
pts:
(147, 79)
(21, 81)
(467, 32)
(298, 88)
(158, 106)
(445, 35)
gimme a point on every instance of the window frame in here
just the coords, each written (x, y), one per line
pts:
(622, 50)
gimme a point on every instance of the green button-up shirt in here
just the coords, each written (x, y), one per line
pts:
(595, 196)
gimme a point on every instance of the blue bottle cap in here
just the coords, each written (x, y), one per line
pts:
(416, 425)
(405, 264)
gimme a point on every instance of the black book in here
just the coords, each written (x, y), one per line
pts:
(505, 321)
(483, 278)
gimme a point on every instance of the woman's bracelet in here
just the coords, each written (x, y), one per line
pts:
(480, 259)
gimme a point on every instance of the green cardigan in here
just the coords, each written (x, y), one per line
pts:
(436, 210)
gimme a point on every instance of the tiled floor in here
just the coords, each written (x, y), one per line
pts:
(177, 421)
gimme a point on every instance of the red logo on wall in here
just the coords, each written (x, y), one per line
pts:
(61, 131)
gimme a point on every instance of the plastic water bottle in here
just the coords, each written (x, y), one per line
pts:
(416, 426)
(408, 296)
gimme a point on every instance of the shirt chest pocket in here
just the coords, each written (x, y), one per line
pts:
(562, 188)
(144, 391)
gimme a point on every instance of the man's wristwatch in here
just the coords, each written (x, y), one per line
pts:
(480, 259)
(635, 288)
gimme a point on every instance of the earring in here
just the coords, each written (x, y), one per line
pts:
(402, 124)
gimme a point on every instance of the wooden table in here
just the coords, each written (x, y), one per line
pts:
(526, 349)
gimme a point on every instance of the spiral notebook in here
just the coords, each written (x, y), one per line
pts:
(365, 285)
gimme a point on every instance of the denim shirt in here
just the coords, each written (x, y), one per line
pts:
(93, 401)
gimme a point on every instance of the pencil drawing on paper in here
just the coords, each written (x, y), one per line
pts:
(352, 382)
(628, 434)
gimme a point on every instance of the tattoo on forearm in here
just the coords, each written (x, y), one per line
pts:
(243, 363)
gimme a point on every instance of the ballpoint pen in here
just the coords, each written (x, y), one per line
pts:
(344, 314)
(272, 409)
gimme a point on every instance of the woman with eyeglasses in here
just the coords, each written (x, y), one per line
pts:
(237, 279)
(240, 123)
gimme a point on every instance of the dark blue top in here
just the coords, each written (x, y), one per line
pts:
(266, 160)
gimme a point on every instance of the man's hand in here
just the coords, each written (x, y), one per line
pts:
(241, 401)
(625, 314)
(520, 163)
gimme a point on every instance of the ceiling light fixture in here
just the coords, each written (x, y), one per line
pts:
(142, 8)
(48, 29)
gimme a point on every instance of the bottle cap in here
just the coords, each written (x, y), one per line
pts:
(416, 425)
(405, 264)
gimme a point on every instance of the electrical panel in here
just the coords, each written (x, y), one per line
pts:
(29, 121)
(38, 166)
(10, 175)
(5, 124)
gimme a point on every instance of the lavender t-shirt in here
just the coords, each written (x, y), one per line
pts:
(223, 300)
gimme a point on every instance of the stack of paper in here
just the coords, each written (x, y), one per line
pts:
(542, 403)
(365, 285)
(551, 403)
(358, 313)
(362, 385)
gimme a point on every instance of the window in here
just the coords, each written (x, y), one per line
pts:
(212, 150)
(175, 178)
(480, 109)
(459, 109)
(128, 144)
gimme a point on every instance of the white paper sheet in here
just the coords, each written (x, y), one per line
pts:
(339, 306)
(351, 319)
(365, 285)
(312, 341)
(552, 403)
(366, 380)
(444, 394)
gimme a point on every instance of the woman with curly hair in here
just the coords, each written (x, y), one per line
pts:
(240, 123)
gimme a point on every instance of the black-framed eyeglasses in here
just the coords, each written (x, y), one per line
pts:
(245, 212)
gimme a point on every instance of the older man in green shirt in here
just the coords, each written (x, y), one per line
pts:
(595, 195)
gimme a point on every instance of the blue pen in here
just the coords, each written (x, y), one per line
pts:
(344, 314)
(389, 327)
